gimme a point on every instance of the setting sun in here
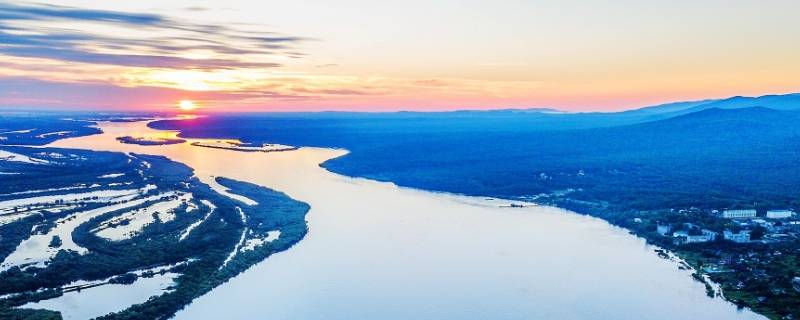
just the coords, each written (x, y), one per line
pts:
(187, 105)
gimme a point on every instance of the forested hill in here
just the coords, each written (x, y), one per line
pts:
(786, 102)
(778, 102)
(709, 158)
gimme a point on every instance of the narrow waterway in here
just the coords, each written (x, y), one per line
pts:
(377, 251)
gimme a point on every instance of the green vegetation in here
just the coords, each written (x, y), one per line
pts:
(204, 258)
(36, 129)
(757, 275)
(149, 141)
(670, 166)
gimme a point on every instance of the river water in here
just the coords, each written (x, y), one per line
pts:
(378, 251)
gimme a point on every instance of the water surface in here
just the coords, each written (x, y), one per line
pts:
(377, 251)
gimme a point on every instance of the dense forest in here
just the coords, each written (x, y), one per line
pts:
(674, 164)
(715, 158)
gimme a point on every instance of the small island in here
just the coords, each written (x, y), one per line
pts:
(150, 141)
(241, 146)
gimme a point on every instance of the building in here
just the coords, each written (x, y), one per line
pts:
(776, 237)
(700, 238)
(739, 214)
(779, 214)
(663, 229)
(796, 283)
(741, 237)
(710, 234)
(683, 237)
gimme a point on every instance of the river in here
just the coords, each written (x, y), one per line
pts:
(378, 251)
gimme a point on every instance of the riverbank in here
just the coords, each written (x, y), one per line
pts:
(89, 224)
(757, 275)
(149, 141)
(426, 252)
(618, 174)
(243, 147)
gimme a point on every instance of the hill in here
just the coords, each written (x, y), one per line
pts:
(714, 157)
(669, 107)
(787, 102)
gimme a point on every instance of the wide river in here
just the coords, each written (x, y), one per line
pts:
(378, 251)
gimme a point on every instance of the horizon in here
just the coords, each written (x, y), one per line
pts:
(176, 109)
(394, 160)
(210, 111)
(313, 57)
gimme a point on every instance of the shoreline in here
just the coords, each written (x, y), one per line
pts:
(241, 149)
(696, 273)
(273, 212)
(462, 198)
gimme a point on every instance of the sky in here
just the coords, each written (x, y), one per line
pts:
(362, 55)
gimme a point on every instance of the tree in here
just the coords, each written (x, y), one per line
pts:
(758, 233)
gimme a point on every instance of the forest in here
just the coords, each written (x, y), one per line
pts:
(720, 158)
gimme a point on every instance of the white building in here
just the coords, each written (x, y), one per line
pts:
(663, 229)
(796, 283)
(741, 237)
(739, 214)
(710, 234)
(779, 214)
(684, 237)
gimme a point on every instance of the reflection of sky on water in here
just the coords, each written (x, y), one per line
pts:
(377, 251)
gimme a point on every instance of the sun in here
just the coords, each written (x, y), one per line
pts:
(186, 105)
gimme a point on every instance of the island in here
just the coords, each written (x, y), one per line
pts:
(150, 141)
(27, 130)
(245, 147)
(72, 220)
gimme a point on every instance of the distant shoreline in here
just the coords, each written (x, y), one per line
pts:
(243, 149)
(142, 141)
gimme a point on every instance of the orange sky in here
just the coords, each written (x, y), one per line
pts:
(393, 55)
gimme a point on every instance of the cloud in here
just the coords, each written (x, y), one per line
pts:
(130, 60)
(16, 12)
(196, 8)
(27, 92)
(160, 42)
(334, 92)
